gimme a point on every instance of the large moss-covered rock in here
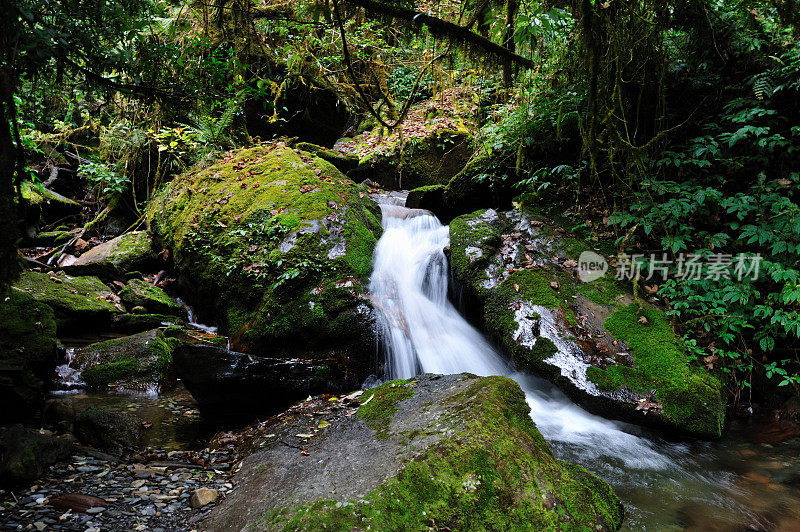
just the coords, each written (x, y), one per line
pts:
(80, 303)
(28, 353)
(140, 293)
(457, 452)
(590, 339)
(141, 361)
(275, 244)
(125, 253)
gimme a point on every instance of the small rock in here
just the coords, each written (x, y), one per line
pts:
(96, 510)
(202, 496)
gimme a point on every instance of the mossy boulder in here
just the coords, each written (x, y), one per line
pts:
(126, 253)
(343, 162)
(617, 359)
(275, 245)
(141, 362)
(135, 323)
(140, 293)
(26, 454)
(428, 198)
(80, 303)
(112, 432)
(455, 452)
(419, 161)
(28, 354)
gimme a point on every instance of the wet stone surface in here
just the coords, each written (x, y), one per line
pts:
(150, 491)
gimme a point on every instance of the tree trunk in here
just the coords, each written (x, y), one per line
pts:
(8, 226)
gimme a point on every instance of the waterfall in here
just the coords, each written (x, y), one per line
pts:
(422, 332)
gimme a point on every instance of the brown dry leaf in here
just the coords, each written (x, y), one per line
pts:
(642, 320)
(516, 287)
(554, 285)
(652, 289)
(570, 263)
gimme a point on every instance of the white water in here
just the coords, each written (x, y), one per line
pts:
(422, 332)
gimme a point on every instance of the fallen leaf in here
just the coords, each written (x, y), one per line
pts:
(323, 424)
(554, 285)
(516, 287)
(642, 320)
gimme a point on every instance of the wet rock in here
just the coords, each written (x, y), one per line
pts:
(135, 323)
(26, 453)
(126, 253)
(275, 245)
(58, 411)
(80, 303)
(236, 386)
(428, 198)
(458, 449)
(202, 497)
(616, 359)
(151, 299)
(108, 431)
(140, 362)
(28, 354)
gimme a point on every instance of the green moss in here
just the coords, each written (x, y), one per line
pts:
(73, 298)
(136, 360)
(692, 398)
(465, 192)
(105, 374)
(379, 405)
(36, 195)
(261, 230)
(494, 473)
(603, 291)
(338, 159)
(141, 293)
(28, 353)
(467, 234)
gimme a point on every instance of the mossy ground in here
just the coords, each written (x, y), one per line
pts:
(691, 397)
(494, 473)
(255, 233)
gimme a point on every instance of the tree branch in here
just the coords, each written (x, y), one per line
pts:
(442, 28)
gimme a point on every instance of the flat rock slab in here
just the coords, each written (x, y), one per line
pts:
(451, 451)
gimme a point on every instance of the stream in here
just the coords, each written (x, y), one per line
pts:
(735, 484)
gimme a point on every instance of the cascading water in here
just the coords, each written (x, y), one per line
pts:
(422, 332)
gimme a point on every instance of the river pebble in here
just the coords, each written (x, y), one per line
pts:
(149, 491)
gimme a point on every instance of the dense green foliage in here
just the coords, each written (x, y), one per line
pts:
(661, 127)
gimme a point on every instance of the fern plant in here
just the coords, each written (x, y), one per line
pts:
(215, 132)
